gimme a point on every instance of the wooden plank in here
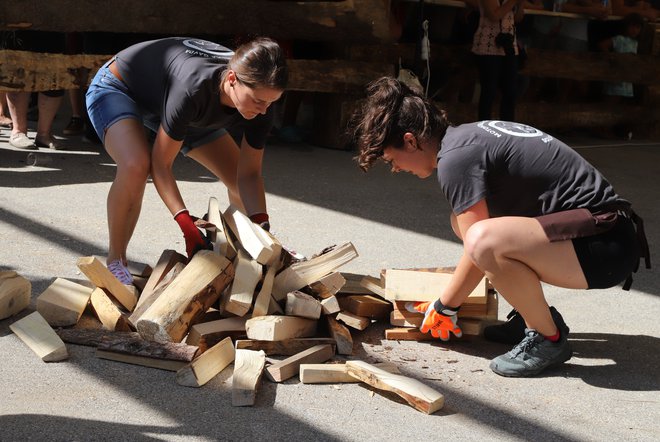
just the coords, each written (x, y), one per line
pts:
(63, 302)
(278, 328)
(248, 368)
(366, 306)
(424, 285)
(15, 293)
(186, 300)
(420, 396)
(353, 285)
(144, 361)
(470, 327)
(165, 263)
(336, 373)
(257, 244)
(374, 285)
(92, 337)
(154, 293)
(264, 297)
(354, 321)
(364, 20)
(218, 235)
(241, 292)
(341, 335)
(108, 313)
(207, 334)
(302, 305)
(100, 276)
(286, 347)
(206, 366)
(303, 273)
(290, 366)
(35, 332)
(328, 286)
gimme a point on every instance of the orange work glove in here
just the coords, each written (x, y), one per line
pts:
(438, 319)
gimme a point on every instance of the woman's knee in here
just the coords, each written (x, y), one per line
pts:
(480, 244)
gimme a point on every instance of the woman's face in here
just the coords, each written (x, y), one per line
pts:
(250, 102)
(410, 158)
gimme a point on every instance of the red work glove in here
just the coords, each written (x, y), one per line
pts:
(439, 319)
(195, 240)
(261, 219)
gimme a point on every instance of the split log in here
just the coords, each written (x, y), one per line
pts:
(156, 292)
(247, 276)
(93, 337)
(341, 335)
(330, 305)
(248, 368)
(218, 234)
(100, 276)
(107, 311)
(63, 302)
(373, 284)
(165, 263)
(206, 366)
(366, 306)
(135, 350)
(290, 366)
(419, 395)
(287, 347)
(196, 288)
(336, 373)
(264, 298)
(328, 286)
(354, 321)
(252, 237)
(38, 335)
(303, 273)
(206, 334)
(302, 305)
(353, 285)
(15, 293)
(278, 328)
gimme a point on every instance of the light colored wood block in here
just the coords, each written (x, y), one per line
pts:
(286, 347)
(330, 305)
(374, 285)
(354, 321)
(302, 305)
(336, 373)
(329, 285)
(218, 234)
(248, 368)
(290, 367)
(241, 292)
(206, 366)
(341, 335)
(100, 276)
(15, 293)
(366, 306)
(38, 335)
(425, 285)
(108, 312)
(63, 302)
(207, 334)
(278, 328)
(418, 395)
(252, 238)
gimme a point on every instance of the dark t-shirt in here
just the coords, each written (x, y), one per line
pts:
(519, 170)
(178, 80)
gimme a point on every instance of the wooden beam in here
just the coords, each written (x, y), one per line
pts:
(37, 334)
(108, 313)
(207, 334)
(264, 298)
(206, 366)
(218, 235)
(15, 293)
(286, 347)
(278, 328)
(374, 285)
(290, 367)
(425, 285)
(418, 395)
(100, 276)
(186, 300)
(248, 368)
(154, 293)
(328, 286)
(63, 302)
(336, 373)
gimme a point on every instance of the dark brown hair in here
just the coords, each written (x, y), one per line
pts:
(260, 63)
(390, 110)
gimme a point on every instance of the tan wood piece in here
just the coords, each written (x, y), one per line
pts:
(168, 259)
(354, 321)
(132, 349)
(330, 305)
(206, 366)
(329, 285)
(341, 335)
(248, 369)
(218, 234)
(336, 373)
(278, 328)
(100, 276)
(290, 366)
(15, 293)
(425, 285)
(186, 299)
(241, 292)
(156, 292)
(353, 285)
(374, 285)
(108, 312)
(92, 337)
(206, 334)
(38, 335)
(144, 361)
(418, 395)
(63, 302)
(254, 240)
(286, 347)
(367, 306)
(303, 273)
(302, 305)
(264, 298)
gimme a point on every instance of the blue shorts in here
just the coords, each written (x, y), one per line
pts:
(108, 101)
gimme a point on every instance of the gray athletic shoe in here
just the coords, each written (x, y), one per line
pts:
(532, 355)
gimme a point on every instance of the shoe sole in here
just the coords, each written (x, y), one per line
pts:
(531, 373)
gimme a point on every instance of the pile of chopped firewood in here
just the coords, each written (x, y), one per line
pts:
(243, 302)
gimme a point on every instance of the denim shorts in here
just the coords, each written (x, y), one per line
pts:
(109, 100)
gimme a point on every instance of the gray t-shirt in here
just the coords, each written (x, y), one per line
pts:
(178, 80)
(519, 170)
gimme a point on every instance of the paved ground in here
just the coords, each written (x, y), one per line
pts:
(50, 216)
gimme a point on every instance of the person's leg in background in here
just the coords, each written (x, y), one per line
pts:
(18, 103)
(508, 83)
(49, 103)
(5, 119)
(489, 75)
(76, 126)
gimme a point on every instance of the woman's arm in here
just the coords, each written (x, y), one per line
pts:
(250, 180)
(163, 154)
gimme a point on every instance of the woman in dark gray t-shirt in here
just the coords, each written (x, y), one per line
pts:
(528, 208)
(189, 92)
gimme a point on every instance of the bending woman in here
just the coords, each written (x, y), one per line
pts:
(527, 207)
(189, 92)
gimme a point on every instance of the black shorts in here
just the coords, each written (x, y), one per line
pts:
(608, 258)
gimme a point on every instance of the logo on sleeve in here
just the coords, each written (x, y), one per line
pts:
(496, 127)
(203, 48)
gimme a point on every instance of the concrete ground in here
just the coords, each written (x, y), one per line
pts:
(51, 215)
